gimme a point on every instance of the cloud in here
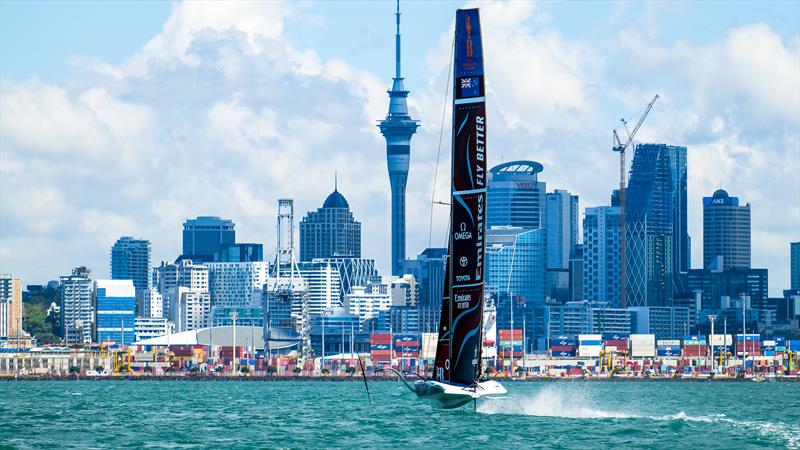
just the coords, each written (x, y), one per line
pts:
(221, 114)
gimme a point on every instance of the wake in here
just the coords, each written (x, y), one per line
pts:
(552, 402)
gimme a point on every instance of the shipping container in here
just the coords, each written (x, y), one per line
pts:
(721, 339)
(619, 343)
(590, 337)
(748, 337)
(615, 336)
(793, 345)
(668, 342)
(386, 347)
(380, 338)
(589, 351)
(507, 334)
(564, 353)
(562, 347)
(668, 352)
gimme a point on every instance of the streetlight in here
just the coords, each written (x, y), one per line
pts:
(712, 318)
(234, 316)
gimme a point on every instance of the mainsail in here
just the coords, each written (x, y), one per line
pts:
(458, 354)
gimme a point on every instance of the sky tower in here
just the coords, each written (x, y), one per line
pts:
(397, 128)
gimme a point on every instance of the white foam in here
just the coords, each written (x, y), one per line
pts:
(548, 402)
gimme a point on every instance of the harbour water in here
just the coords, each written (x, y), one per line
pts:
(232, 415)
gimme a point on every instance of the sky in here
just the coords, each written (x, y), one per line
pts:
(126, 118)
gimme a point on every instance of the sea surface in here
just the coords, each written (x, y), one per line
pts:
(317, 414)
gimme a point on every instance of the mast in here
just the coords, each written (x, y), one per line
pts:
(458, 354)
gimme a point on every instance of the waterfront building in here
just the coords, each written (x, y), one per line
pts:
(428, 270)
(397, 128)
(77, 311)
(338, 331)
(585, 317)
(515, 274)
(10, 307)
(151, 327)
(515, 196)
(715, 285)
(330, 231)
(794, 250)
(130, 260)
(204, 236)
(324, 285)
(152, 304)
(601, 277)
(657, 250)
(352, 272)
(662, 321)
(115, 301)
(726, 231)
(366, 301)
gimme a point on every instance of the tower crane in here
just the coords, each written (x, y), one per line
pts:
(620, 147)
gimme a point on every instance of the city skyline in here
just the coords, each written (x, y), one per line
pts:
(114, 115)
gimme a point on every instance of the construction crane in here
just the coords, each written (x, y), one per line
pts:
(620, 147)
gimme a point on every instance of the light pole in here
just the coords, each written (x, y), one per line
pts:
(712, 318)
(234, 316)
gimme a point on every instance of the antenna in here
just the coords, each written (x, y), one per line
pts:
(397, 43)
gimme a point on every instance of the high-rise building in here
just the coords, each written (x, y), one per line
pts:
(601, 254)
(515, 196)
(352, 272)
(366, 301)
(241, 252)
(236, 284)
(716, 285)
(330, 231)
(115, 301)
(726, 231)
(152, 304)
(397, 128)
(657, 249)
(576, 272)
(167, 278)
(429, 271)
(190, 309)
(663, 321)
(585, 317)
(562, 227)
(77, 312)
(794, 250)
(204, 236)
(130, 260)
(10, 306)
(324, 285)
(515, 272)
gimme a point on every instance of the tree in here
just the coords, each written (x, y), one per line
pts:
(36, 323)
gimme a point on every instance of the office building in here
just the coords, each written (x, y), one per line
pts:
(322, 279)
(515, 274)
(204, 236)
(397, 128)
(428, 270)
(576, 273)
(562, 227)
(130, 260)
(151, 327)
(585, 317)
(515, 196)
(330, 231)
(236, 284)
(794, 250)
(241, 252)
(726, 231)
(715, 285)
(366, 301)
(336, 332)
(116, 311)
(10, 306)
(601, 277)
(152, 304)
(663, 321)
(77, 310)
(190, 309)
(352, 272)
(657, 250)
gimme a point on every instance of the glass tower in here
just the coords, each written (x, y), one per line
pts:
(130, 260)
(515, 196)
(726, 231)
(204, 236)
(601, 254)
(116, 311)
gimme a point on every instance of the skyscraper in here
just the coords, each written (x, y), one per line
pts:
(204, 237)
(601, 254)
(10, 306)
(330, 231)
(77, 313)
(397, 128)
(515, 196)
(794, 249)
(116, 311)
(726, 231)
(429, 271)
(562, 227)
(130, 260)
(655, 220)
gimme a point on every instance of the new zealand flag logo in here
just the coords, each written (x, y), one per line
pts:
(470, 87)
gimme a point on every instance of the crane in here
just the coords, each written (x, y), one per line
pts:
(620, 147)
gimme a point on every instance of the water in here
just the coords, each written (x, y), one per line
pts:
(232, 415)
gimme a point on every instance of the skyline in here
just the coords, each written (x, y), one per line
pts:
(140, 132)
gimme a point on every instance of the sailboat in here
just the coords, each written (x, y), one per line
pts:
(456, 380)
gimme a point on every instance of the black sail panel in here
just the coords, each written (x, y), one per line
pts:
(442, 364)
(468, 208)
